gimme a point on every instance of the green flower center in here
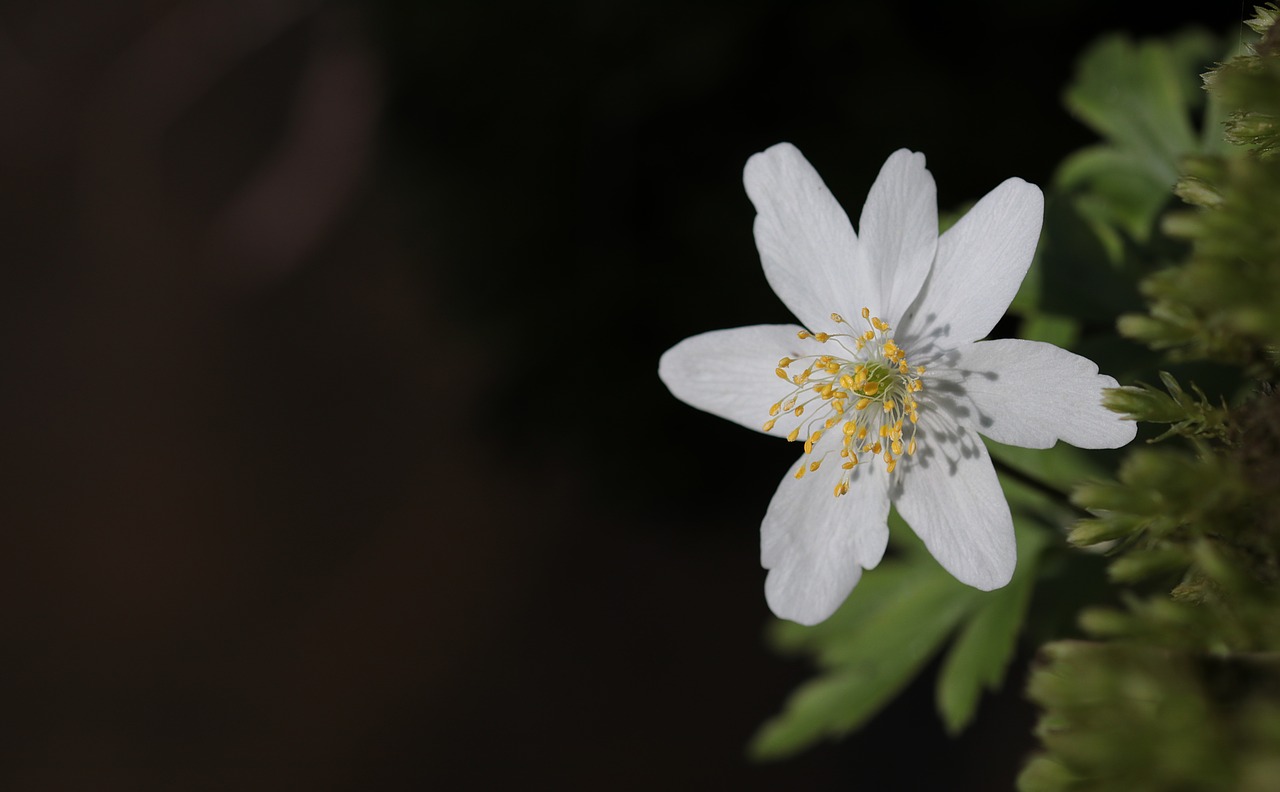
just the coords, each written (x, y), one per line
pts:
(867, 391)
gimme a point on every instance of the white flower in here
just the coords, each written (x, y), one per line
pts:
(887, 382)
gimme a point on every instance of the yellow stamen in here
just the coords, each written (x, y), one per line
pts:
(768, 425)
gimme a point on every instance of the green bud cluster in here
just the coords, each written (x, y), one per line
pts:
(1224, 302)
(1155, 719)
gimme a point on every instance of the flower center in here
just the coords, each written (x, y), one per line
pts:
(866, 391)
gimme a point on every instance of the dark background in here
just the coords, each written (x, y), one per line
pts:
(332, 449)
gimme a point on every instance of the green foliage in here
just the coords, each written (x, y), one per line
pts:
(985, 645)
(1180, 686)
(1127, 717)
(878, 641)
(1140, 98)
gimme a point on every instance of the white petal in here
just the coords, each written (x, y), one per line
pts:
(730, 373)
(816, 545)
(980, 264)
(1032, 394)
(805, 239)
(899, 232)
(949, 494)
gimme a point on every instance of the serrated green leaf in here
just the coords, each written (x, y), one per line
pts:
(981, 653)
(873, 646)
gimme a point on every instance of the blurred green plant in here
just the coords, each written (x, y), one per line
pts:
(1179, 686)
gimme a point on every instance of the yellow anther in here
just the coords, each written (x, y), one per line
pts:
(850, 427)
(784, 362)
(768, 425)
(816, 436)
(919, 369)
(897, 447)
(888, 406)
(800, 472)
(775, 409)
(902, 367)
(866, 312)
(862, 404)
(890, 465)
(871, 388)
(846, 381)
(867, 336)
(841, 488)
(799, 410)
(822, 337)
(780, 373)
(849, 465)
(830, 422)
(879, 325)
(862, 433)
(814, 465)
(832, 367)
(837, 318)
(808, 446)
(890, 348)
(875, 449)
(838, 406)
(788, 404)
(791, 438)
(884, 430)
(802, 335)
(911, 447)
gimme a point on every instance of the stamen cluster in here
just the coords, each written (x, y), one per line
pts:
(869, 394)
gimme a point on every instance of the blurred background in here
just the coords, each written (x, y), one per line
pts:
(332, 447)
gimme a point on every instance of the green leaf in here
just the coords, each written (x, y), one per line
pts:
(872, 647)
(1113, 190)
(981, 653)
(1140, 96)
